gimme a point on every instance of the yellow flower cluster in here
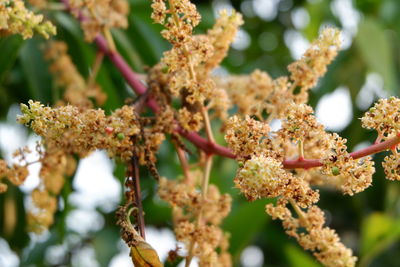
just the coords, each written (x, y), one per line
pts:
(384, 117)
(77, 90)
(249, 92)
(257, 93)
(322, 241)
(306, 71)
(355, 174)
(42, 217)
(189, 121)
(348, 174)
(16, 174)
(300, 122)
(185, 72)
(100, 15)
(220, 36)
(187, 52)
(55, 166)
(67, 130)
(192, 57)
(261, 175)
(248, 137)
(219, 104)
(15, 18)
(264, 177)
(81, 132)
(204, 235)
(391, 166)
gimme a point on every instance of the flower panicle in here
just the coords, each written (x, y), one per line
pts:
(15, 18)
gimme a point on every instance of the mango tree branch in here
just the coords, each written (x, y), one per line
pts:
(372, 149)
(213, 148)
(208, 146)
(129, 75)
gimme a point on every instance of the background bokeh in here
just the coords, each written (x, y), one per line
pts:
(275, 33)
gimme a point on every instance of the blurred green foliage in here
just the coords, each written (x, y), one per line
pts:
(368, 222)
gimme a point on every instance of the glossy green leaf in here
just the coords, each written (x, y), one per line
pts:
(146, 40)
(378, 232)
(127, 50)
(83, 55)
(298, 257)
(244, 222)
(376, 50)
(101, 244)
(10, 47)
(35, 70)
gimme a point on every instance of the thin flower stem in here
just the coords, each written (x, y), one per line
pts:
(110, 40)
(184, 163)
(204, 190)
(206, 177)
(190, 254)
(298, 211)
(128, 215)
(95, 69)
(379, 138)
(207, 123)
(300, 145)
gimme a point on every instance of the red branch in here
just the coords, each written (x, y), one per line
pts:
(210, 147)
(372, 149)
(133, 80)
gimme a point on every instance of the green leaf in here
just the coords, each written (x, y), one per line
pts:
(102, 245)
(244, 223)
(145, 39)
(8, 46)
(83, 56)
(319, 11)
(375, 48)
(378, 232)
(127, 51)
(81, 53)
(297, 257)
(35, 70)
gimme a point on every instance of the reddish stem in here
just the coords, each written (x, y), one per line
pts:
(133, 80)
(207, 146)
(130, 77)
(372, 149)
